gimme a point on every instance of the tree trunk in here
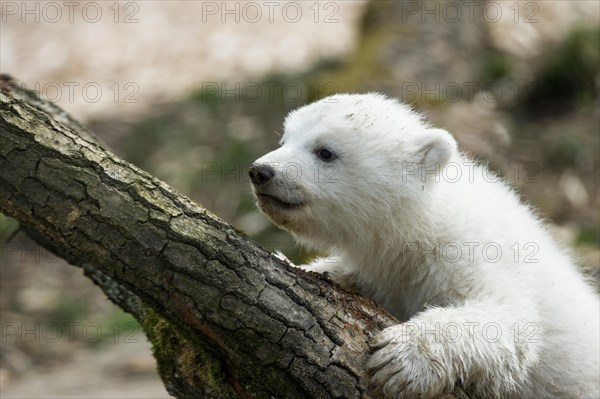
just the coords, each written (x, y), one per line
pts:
(225, 317)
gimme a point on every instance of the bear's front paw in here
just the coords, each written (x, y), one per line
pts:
(405, 365)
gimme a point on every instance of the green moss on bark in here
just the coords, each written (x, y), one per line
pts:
(183, 363)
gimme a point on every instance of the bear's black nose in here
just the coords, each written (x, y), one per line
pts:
(261, 173)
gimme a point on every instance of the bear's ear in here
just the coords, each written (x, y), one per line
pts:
(433, 148)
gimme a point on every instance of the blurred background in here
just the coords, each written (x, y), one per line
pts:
(194, 91)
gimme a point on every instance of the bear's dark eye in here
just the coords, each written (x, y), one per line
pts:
(326, 155)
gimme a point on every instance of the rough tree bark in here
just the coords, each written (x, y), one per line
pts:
(225, 317)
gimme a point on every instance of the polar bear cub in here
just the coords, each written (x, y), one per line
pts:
(486, 298)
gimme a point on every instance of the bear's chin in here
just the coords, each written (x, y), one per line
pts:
(285, 220)
(271, 204)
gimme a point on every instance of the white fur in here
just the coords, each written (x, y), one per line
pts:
(393, 213)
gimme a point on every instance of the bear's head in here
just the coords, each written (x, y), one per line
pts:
(348, 163)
